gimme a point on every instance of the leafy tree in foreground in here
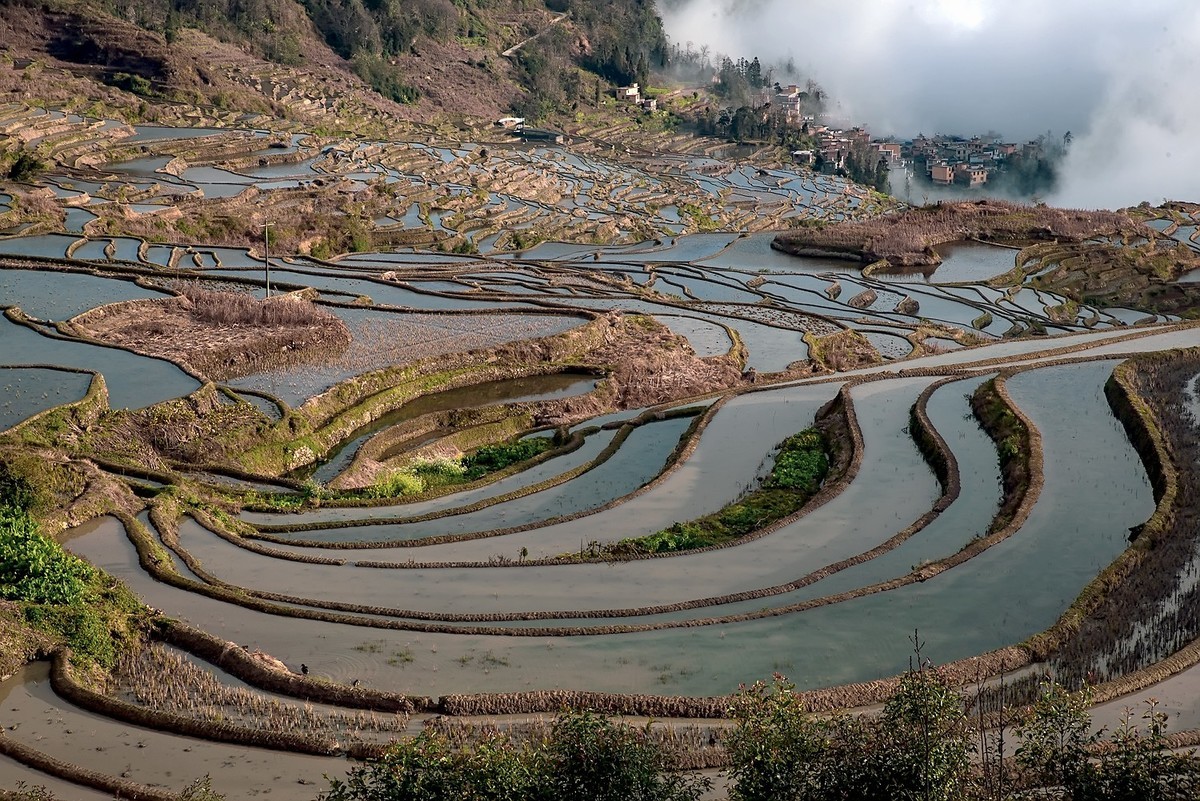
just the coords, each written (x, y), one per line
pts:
(917, 749)
(925, 737)
(1064, 757)
(777, 749)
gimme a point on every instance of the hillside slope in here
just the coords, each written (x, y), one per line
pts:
(423, 61)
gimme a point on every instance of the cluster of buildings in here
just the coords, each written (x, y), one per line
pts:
(788, 103)
(834, 146)
(632, 94)
(945, 160)
(970, 162)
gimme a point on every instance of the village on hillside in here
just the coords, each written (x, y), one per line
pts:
(799, 115)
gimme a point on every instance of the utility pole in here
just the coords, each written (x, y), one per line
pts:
(267, 254)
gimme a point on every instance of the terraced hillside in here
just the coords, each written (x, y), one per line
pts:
(525, 425)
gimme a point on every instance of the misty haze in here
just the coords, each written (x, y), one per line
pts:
(1120, 76)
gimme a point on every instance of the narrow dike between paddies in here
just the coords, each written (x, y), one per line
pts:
(711, 470)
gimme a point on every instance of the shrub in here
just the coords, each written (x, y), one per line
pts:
(81, 626)
(925, 739)
(135, 84)
(384, 78)
(439, 471)
(585, 757)
(591, 758)
(917, 749)
(25, 168)
(16, 491)
(801, 469)
(23, 792)
(776, 748)
(427, 474)
(801, 463)
(34, 568)
(397, 483)
(491, 458)
(428, 767)
(1059, 750)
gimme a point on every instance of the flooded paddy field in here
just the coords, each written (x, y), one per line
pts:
(671, 361)
(29, 390)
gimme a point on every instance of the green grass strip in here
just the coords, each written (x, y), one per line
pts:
(800, 467)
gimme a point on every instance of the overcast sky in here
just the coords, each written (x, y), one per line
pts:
(1122, 76)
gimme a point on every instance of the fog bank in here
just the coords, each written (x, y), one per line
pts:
(1120, 76)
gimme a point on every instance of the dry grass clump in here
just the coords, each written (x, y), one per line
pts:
(1155, 610)
(845, 350)
(220, 334)
(650, 364)
(162, 680)
(222, 307)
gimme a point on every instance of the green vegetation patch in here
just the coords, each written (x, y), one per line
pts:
(1012, 442)
(58, 593)
(425, 475)
(491, 458)
(800, 466)
(33, 567)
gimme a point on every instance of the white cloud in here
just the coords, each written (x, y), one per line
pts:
(1119, 75)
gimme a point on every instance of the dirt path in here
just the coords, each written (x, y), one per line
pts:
(512, 51)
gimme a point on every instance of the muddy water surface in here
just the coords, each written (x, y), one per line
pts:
(35, 716)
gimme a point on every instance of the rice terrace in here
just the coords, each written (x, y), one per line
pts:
(366, 431)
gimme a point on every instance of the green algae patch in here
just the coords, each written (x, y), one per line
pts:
(800, 467)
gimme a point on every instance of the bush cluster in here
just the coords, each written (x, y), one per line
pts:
(34, 568)
(58, 592)
(921, 746)
(584, 757)
(918, 747)
(428, 474)
(492, 458)
(801, 463)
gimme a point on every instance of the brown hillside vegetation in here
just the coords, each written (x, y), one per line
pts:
(907, 239)
(65, 57)
(220, 334)
(291, 73)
